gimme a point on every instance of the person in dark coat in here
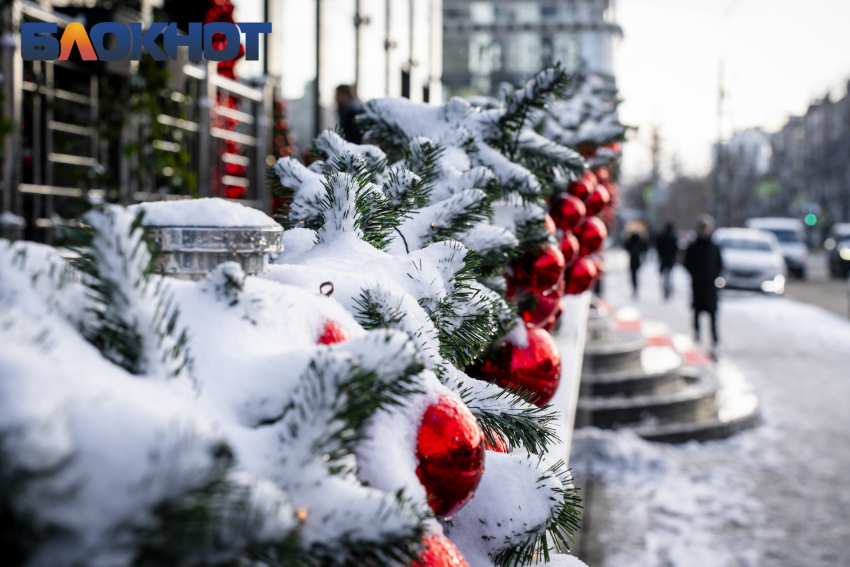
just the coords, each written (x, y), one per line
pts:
(348, 107)
(667, 248)
(635, 248)
(703, 262)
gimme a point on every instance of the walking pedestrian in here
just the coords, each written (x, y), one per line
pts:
(348, 107)
(703, 262)
(635, 248)
(667, 248)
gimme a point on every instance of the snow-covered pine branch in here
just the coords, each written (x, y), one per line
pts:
(134, 321)
(355, 205)
(524, 509)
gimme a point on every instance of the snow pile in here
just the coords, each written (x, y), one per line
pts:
(683, 506)
(202, 213)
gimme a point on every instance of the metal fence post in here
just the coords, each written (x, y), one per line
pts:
(206, 102)
(263, 124)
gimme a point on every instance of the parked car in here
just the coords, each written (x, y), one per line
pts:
(837, 245)
(752, 259)
(792, 239)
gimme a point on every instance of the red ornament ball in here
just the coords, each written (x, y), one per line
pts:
(600, 265)
(545, 305)
(570, 248)
(552, 322)
(540, 271)
(581, 276)
(439, 552)
(601, 174)
(450, 449)
(534, 368)
(333, 333)
(568, 211)
(551, 227)
(591, 236)
(500, 447)
(584, 186)
(597, 200)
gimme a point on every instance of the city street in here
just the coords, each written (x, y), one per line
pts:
(819, 288)
(776, 496)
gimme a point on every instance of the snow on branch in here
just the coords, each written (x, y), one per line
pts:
(135, 321)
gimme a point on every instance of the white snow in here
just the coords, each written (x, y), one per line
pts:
(208, 212)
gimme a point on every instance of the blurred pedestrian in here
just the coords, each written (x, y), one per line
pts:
(635, 248)
(703, 262)
(667, 248)
(348, 107)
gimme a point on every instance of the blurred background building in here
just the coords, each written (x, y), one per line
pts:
(489, 42)
(76, 133)
(800, 171)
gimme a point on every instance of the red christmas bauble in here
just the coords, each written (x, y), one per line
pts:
(545, 305)
(600, 266)
(552, 322)
(439, 552)
(616, 147)
(499, 447)
(570, 248)
(450, 449)
(333, 333)
(568, 212)
(581, 276)
(602, 174)
(540, 271)
(597, 200)
(551, 228)
(584, 186)
(535, 368)
(591, 236)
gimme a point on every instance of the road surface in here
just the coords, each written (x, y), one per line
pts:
(819, 288)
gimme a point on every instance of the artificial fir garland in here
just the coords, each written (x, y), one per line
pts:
(300, 419)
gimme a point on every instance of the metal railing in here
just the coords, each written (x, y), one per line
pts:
(56, 162)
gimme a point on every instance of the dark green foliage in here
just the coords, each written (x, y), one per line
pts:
(524, 425)
(374, 215)
(340, 394)
(373, 314)
(282, 194)
(464, 336)
(520, 102)
(393, 549)
(423, 159)
(389, 136)
(117, 270)
(559, 530)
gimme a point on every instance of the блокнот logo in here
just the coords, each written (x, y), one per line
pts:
(130, 40)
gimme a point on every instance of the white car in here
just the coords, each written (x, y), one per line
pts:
(752, 259)
(792, 240)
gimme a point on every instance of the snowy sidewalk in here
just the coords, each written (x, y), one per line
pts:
(775, 496)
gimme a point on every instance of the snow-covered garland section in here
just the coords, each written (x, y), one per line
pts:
(253, 419)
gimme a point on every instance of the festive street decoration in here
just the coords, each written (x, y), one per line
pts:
(568, 212)
(597, 200)
(570, 249)
(581, 276)
(584, 187)
(280, 411)
(439, 552)
(539, 272)
(450, 450)
(332, 333)
(591, 235)
(531, 365)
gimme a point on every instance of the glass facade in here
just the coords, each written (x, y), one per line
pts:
(487, 43)
(383, 47)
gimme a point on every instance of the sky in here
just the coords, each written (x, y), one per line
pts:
(777, 57)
